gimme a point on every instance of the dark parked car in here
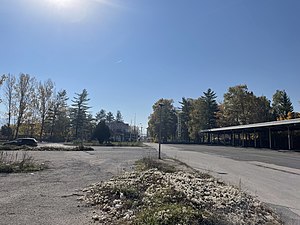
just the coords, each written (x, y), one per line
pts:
(22, 141)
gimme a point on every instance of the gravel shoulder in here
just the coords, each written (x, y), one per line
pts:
(273, 184)
(49, 196)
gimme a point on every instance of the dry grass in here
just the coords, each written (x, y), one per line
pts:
(18, 162)
(150, 163)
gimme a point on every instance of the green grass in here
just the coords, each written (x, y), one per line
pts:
(18, 162)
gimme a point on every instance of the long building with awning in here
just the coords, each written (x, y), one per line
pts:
(284, 134)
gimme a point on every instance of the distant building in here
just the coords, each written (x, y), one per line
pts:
(120, 131)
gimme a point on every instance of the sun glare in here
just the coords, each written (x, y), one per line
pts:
(68, 10)
(60, 4)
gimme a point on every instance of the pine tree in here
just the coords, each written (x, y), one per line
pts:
(281, 105)
(79, 113)
(110, 117)
(119, 117)
(203, 114)
(211, 109)
(101, 115)
(186, 107)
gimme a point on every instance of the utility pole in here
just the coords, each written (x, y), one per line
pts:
(141, 136)
(159, 141)
(178, 112)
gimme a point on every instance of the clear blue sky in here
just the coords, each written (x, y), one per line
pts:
(130, 53)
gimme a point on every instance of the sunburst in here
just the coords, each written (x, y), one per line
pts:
(60, 4)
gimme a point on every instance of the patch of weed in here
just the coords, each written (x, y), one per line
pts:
(18, 162)
(151, 163)
(14, 147)
(129, 144)
(167, 214)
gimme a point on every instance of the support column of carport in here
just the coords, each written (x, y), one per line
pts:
(255, 141)
(243, 138)
(270, 138)
(289, 138)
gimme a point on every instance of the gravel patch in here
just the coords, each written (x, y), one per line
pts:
(122, 199)
(49, 196)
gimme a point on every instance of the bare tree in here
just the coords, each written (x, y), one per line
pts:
(2, 79)
(9, 93)
(24, 90)
(57, 115)
(44, 96)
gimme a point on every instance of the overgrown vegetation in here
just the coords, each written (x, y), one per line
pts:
(151, 163)
(169, 214)
(46, 148)
(110, 144)
(14, 148)
(128, 144)
(169, 206)
(157, 193)
(18, 162)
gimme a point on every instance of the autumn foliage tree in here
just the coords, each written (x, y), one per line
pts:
(24, 93)
(203, 114)
(164, 115)
(242, 107)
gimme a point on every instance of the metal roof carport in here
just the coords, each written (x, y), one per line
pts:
(283, 134)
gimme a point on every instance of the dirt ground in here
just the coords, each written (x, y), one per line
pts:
(49, 196)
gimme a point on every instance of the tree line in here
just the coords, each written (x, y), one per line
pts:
(34, 108)
(239, 107)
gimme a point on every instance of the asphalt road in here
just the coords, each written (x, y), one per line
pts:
(272, 176)
(288, 159)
